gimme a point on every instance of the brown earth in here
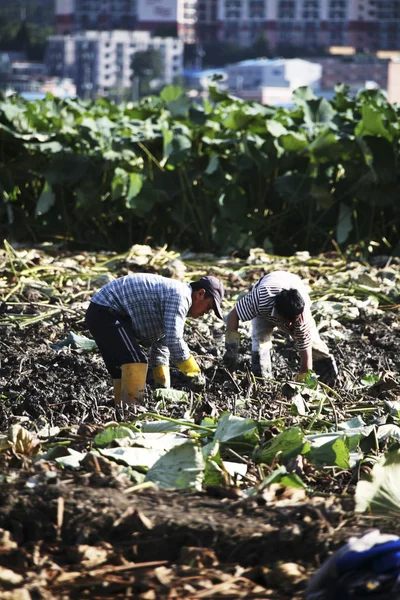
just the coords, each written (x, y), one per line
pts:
(87, 534)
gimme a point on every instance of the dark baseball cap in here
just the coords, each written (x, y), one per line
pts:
(215, 287)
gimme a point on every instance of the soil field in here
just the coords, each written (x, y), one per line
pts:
(92, 532)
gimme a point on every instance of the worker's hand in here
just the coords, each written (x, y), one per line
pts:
(195, 379)
(232, 343)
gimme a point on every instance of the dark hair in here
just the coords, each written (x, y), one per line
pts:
(198, 285)
(289, 304)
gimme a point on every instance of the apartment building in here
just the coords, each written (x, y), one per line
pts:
(164, 17)
(308, 24)
(101, 61)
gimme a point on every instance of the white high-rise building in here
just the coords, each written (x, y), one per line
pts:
(101, 61)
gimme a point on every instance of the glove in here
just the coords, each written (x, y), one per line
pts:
(232, 342)
(191, 370)
(162, 376)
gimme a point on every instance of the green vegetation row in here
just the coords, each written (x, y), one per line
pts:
(221, 174)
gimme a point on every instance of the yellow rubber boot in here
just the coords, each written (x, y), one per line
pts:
(117, 391)
(162, 376)
(133, 383)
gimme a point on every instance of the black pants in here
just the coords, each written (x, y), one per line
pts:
(114, 337)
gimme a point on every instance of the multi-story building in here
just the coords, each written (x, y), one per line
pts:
(307, 24)
(353, 71)
(301, 24)
(164, 17)
(101, 61)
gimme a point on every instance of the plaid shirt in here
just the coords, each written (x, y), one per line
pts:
(260, 302)
(158, 307)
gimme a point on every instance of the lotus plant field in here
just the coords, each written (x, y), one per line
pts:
(221, 174)
(240, 491)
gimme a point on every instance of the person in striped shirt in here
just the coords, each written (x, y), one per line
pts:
(279, 299)
(145, 310)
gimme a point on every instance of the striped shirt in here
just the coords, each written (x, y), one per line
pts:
(158, 307)
(260, 302)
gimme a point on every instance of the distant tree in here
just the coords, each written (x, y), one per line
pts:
(147, 66)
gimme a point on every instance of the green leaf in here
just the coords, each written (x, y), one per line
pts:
(104, 438)
(139, 458)
(370, 379)
(381, 494)
(288, 444)
(293, 141)
(181, 467)
(213, 164)
(231, 427)
(170, 395)
(237, 120)
(345, 223)
(46, 200)
(78, 342)
(276, 128)
(318, 112)
(135, 185)
(372, 123)
(280, 475)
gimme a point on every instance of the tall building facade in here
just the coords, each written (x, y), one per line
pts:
(101, 61)
(160, 17)
(309, 24)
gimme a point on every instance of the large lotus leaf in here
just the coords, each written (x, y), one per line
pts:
(231, 427)
(181, 467)
(302, 95)
(14, 114)
(275, 128)
(372, 123)
(104, 438)
(135, 185)
(325, 147)
(176, 100)
(171, 93)
(330, 451)
(176, 146)
(139, 458)
(293, 141)
(286, 445)
(381, 493)
(46, 200)
(237, 120)
(318, 112)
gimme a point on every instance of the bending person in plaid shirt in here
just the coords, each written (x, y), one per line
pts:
(150, 311)
(281, 300)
